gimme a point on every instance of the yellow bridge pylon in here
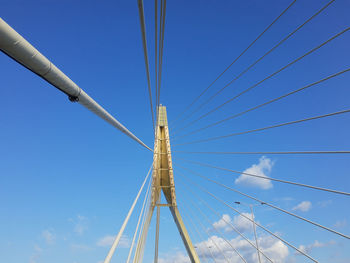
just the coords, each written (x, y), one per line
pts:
(163, 181)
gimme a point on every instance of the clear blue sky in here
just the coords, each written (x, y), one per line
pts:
(67, 178)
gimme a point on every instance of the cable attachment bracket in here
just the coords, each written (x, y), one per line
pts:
(73, 98)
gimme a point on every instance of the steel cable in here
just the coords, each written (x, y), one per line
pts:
(144, 43)
(266, 78)
(271, 205)
(299, 152)
(234, 61)
(228, 223)
(138, 222)
(218, 232)
(269, 178)
(161, 45)
(266, 128)
(257, 224)
(210, 238)
(126, 220)
(265, 103)
(262, 57)
(200, 236)
(156, 54)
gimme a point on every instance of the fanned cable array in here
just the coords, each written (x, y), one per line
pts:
(192, 180)
(159, 47)
(198, 202)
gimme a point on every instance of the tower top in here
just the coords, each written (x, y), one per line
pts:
(162, 120)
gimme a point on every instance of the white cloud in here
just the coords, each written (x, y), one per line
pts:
(325, 203)
(284, 199)
(273, 248)
(48, 236)
(316, 244)
(105, 241)
(80, 247)
(108, 240)
(340, 223)
(36, 255)
(241, 223)
(261, 169)
(304, 206)
(223, 223)
(178, 257)
(80, 224)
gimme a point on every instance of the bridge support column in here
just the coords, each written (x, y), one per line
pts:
(163, 181)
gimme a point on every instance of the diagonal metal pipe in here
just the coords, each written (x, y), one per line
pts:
(20, 50)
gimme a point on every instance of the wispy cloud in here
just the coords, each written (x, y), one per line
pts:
(49, 236)
(316, 244)
(285, 199)
(177, 257)
(108, 240)
(241, 223)
(325, 203)
(36, 254)
(223, 223)
(216, 246)
(80, 247)
(340, 223)
(304, 206)
(263, 168)
(80, 224)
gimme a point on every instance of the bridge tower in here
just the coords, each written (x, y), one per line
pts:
(163, 181)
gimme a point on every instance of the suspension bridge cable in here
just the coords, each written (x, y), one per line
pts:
(138, 222)
(234, 61)
(266, 78)
(227, 222)
(118, 237)
(200, 236)
(266, 103)
(271, 205)
(20, 50)
(257, 224)
(140, 239)
(210, 238)
(218, 231)
(268, 178)
(262, 57)
(145, 52)
(191, 234)
(267, 127)
(156, 54)
(161, 45)
(185, 217)
(157, 236)
(259, 153)
(138, 249)
(243, 215)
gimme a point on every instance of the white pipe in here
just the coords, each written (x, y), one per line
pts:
(16, 47)
(118, 237)
(141, 242)
(138, 223)
(141, 232)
